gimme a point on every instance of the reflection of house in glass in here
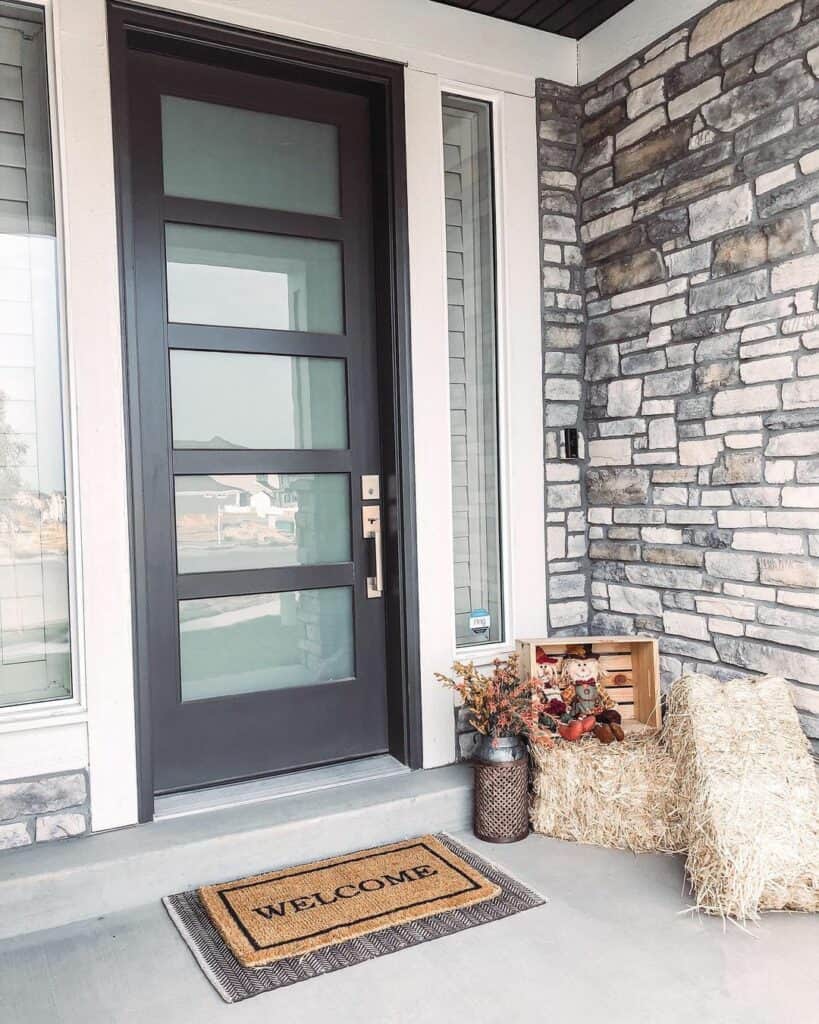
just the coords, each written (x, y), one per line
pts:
(263, 521)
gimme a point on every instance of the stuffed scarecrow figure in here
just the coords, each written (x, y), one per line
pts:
(585, 696)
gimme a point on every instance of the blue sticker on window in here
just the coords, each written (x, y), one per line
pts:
(479, 621)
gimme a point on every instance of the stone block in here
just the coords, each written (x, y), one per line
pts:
(634, 600)
(742, 250)
(569, 613)
(639, 129)
(661, 577)
(800, 443)
(602, 363)
(721, 212)
(800, 497)
(756, 398)
(37, 796)
(716, 375)
(700, 453)
(751, 39)
(567, 363)
(614, 551)
(658, 150)
(789, 572)
(645, 362)
(13, 835)
(627, 323)
(561, 587)
(610, 452)
(606, 224)
(603, 624)
(685, 76)
(558, 229)
(604, 125)
(660, 65)
(643, 99)
(627, 272)
(786, 46)
(617, 486)
(667, 226)
(685, 624)
(730, 291)
(759, 312)
(767, 658)
(731, 566)
(776, 368)
(802, 272)
(563, 496)
(59, 826)
(624, 397)
(720, 347)
(768, 542)
(727, 19)
(738, 468)
(799, 193)
(746, 102)
(687, 102)
(773, 179)
(726, 607)
(690, 260)
(800, 394)
(674, 382)
(662, 433)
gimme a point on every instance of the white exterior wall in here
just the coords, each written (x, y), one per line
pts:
(444, 50)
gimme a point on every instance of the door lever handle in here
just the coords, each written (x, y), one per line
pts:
(371, 520)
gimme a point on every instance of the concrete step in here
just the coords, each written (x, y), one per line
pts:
(58, 883)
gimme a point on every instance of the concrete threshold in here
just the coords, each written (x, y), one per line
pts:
(58, 883)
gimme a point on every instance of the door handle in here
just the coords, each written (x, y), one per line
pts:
(371, 521)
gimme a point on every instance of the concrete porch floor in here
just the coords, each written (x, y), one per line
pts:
(610, 946)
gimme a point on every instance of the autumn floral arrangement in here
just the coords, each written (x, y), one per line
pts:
(502, 704)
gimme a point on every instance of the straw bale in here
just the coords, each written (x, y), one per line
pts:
(749, 795)
(622, 795)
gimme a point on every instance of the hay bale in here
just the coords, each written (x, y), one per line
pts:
(622, 795)
(749, 795)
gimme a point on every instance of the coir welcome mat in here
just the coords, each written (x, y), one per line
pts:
(261, 933)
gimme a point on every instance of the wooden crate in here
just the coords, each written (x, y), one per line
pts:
(630, 669)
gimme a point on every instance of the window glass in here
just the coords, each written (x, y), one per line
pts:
(248, 400)
(35, 660)
(230, 155)
(230, 278)
(473, 387)
(261, 521)
(233, 645)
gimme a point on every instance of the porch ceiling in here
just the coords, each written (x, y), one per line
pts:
(572, 18)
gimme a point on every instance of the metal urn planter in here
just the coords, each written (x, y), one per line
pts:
(501, 769)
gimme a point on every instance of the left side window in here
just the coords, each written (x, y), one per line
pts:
(35, 657)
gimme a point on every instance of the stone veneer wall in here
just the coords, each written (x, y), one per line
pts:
(698, 188)
(563, 317)
(43, 808)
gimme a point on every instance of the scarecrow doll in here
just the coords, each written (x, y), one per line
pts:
(586, 698)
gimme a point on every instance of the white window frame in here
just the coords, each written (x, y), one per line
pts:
(60, 710)
(484, 653)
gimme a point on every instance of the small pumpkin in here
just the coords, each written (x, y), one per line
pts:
(572, 731)
(588, 723)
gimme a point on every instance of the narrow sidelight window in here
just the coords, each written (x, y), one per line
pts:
(35, 662)
(473, 372)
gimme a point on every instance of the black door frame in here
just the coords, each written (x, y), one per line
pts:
(133, 27)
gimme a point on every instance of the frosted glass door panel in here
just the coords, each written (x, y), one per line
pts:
(228, 278)
(233, 645)
(263, 521)
(239, 400)
(229, 155)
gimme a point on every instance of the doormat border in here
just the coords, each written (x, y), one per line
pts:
(234, 982)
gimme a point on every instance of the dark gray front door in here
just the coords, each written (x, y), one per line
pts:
(258, 421)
